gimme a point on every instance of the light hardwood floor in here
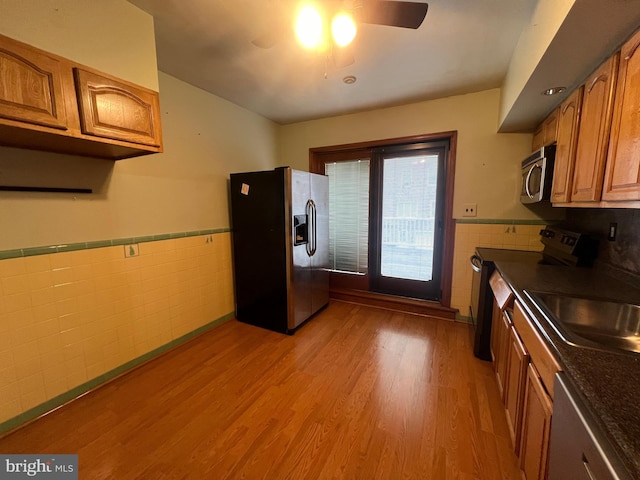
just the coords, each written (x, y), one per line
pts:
(356, 393)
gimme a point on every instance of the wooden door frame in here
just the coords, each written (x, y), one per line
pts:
(315, 165)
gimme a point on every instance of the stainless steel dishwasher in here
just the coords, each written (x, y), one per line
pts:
(578, 449)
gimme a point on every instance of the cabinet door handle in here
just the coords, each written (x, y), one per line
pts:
(632, 50)
(599, 78)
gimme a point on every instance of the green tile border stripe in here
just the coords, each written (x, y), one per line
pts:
(28, 252)
(491, 221)
(66, 397)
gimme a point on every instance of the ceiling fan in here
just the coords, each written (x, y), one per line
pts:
(376, 12)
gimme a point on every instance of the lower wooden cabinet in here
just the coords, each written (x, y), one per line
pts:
(525, 370)
(536, 427)
(502, 326)
(517, 363)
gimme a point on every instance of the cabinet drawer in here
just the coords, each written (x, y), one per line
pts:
(501, 290)
(546, 364)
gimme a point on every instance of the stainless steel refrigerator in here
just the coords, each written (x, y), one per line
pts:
(280, 227)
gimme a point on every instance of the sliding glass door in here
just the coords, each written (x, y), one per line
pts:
(408, 226)
(386, 218)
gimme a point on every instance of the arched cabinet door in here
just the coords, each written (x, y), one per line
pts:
(568, 117)
(622, 175)
(593, 138)
(118, 110)
(30, 86)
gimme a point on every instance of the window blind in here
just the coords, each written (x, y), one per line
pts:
(348, 215)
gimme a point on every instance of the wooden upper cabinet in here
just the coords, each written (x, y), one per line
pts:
(595, 127)
(550, 128)
(567, 140)
(538, 138)
(50, 103)
(118, 110)
(546, 133)
(622, 176)
(30, 86)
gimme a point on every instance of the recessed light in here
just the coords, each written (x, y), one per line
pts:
(349, 79)
(554, 90)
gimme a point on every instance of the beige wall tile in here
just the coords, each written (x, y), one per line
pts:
(12, 267)
(66, 318)
(37, 263)
(470, 236)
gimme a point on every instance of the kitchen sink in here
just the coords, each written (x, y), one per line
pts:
(591, 322)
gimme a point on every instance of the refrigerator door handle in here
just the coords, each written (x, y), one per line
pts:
(310, 210)
(307, 211)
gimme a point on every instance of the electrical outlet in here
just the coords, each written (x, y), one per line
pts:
(131, 250)
(613, 231)
(470, 209)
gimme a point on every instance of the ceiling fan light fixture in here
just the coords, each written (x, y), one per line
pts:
(343, 29)
(309, 26)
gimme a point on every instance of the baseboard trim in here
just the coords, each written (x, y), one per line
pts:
(391, 302)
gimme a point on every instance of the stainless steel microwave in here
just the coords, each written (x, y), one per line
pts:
(537, 174)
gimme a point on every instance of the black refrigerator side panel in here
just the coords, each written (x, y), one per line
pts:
(259, 248)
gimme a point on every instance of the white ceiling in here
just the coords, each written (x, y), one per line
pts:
(463, 46)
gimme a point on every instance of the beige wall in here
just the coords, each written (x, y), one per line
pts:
(182, 189)
(487, 163)
(69, 320)
(487, 168)
(113, 36)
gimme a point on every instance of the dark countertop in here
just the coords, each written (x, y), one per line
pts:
(608, 382)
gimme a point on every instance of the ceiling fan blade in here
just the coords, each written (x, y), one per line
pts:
(394, 14)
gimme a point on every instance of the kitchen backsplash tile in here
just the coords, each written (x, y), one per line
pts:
(516, 235)
(73, 315)
(624, 252)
